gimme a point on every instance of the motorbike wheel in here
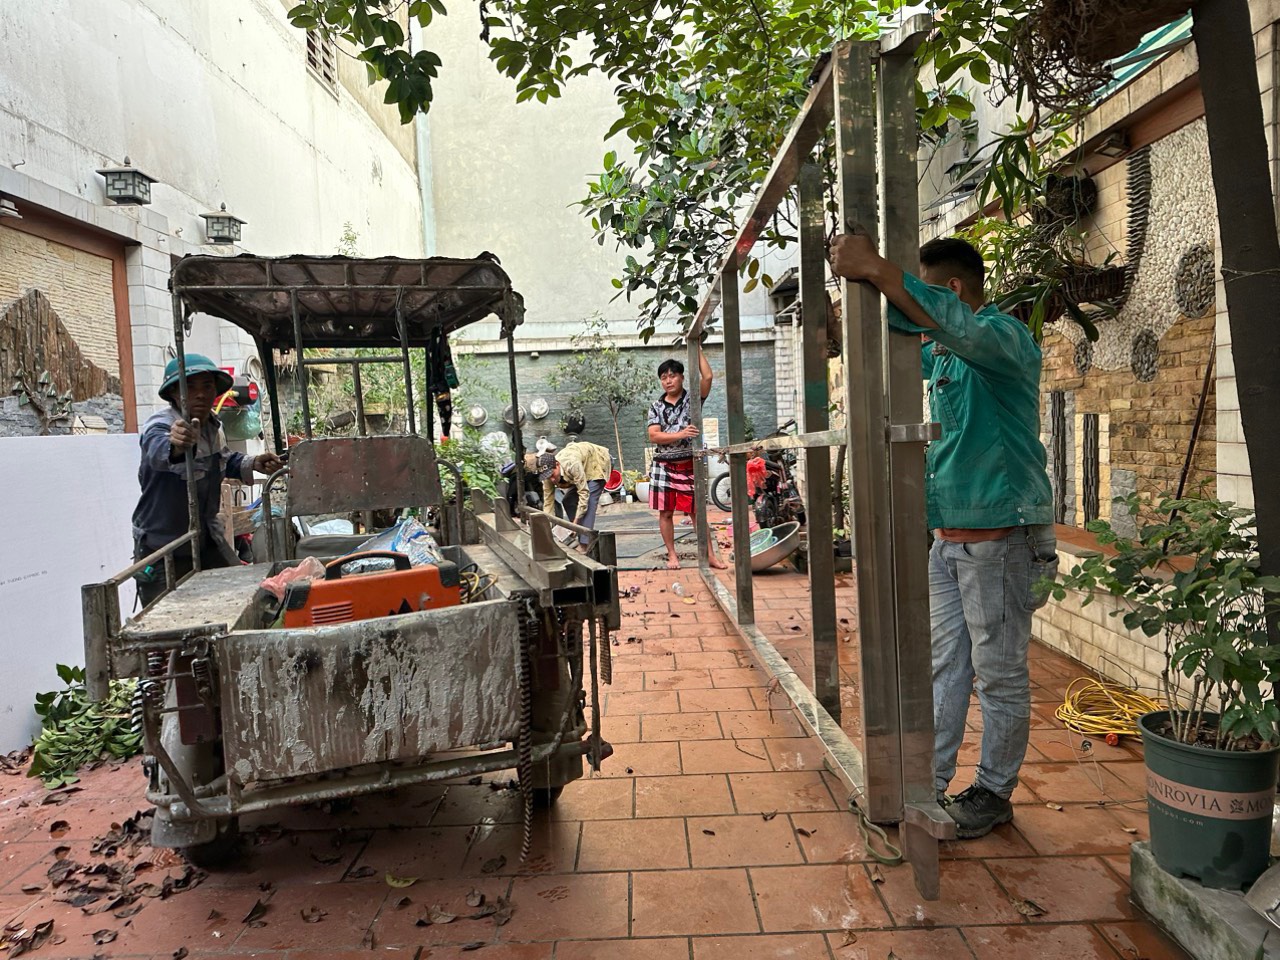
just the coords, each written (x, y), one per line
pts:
(721, 493)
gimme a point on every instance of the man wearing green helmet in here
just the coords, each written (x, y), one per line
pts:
(161, 515)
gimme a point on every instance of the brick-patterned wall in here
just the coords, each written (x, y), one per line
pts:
(1145, 427)
(77, 284)
(1091, 635)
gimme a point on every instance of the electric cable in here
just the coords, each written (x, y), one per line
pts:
(1104, 709)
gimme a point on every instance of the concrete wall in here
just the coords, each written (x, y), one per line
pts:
(216, 102)
(65, 516)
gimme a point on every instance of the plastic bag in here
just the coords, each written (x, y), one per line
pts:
(308, 569)
(409, 537)
(241, 423)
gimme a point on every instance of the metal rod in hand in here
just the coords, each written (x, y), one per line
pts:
(193, 502)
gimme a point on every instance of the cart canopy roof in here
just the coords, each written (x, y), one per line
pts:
(348, 301)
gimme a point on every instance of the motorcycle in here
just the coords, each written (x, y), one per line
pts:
(776, 498)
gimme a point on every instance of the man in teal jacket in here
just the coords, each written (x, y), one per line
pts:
(989, 506)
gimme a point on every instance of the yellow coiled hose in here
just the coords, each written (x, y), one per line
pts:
(1100, 708)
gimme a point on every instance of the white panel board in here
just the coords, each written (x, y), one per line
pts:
(65, 509)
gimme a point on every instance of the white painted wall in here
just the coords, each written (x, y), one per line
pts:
(65, 517)
(214, 100)
(506, 177)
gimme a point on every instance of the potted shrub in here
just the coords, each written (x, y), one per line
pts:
(1191, 577)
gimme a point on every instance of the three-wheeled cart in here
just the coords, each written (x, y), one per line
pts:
(240, 714)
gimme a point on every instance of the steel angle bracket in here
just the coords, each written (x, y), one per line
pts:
(923, 825)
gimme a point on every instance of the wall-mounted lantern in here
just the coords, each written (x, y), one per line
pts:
(127, 184)
(222, 227)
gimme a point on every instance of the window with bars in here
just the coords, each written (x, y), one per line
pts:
(1058, 441)
(1091, 467)
(322, 59)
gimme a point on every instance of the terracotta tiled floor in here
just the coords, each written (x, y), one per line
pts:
(695, 853)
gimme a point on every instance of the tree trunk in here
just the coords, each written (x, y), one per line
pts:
(1238, 158)
(617, 438)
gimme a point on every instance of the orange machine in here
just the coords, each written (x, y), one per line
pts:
(364, 596)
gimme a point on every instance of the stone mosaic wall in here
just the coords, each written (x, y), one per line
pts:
(1144, 374)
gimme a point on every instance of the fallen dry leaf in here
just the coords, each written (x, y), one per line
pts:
(215, 915)
(256, 912)
(709, 833)
(1028, 908)
(60, 853)
(475, 899)
(180, 953)
(474, 945)
(402, 903)
(59, 828)
(369, 941)
(768, 816)
(359, 873)
(126, 912)
(400, 882)
(326, 861)
(312, 915)
(32, 887)
(488, 910)
(690, 600)
(1130, 829)
(438, 914)
(1054, 806)
(850, 938)
(876, 875)
(505, 910)
(497, 863)
(101, 937)
(805, 833)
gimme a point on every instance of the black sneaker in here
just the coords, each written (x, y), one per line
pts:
(977, 811)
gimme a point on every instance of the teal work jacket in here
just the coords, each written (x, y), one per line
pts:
(983, 372)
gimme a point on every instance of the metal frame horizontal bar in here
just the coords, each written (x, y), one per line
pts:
(330, 361)
(821, 438)
(386, 778)
(151, 558)
(813, 120)
(290, 287)
(843, 757)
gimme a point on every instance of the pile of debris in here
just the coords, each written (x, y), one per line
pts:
(120, 881)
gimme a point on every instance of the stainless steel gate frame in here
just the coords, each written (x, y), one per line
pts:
(868, 90)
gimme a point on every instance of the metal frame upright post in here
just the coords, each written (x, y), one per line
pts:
(734, 402)
(866, 418)
(924, 821)
(817, 469)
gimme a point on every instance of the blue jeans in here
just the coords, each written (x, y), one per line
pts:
(594, 489)
(981, 598)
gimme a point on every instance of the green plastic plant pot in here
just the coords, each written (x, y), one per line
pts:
(1209, 810)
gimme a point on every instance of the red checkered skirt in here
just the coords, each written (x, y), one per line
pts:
(671, 485)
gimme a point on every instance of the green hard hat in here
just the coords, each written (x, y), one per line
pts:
(196, 363)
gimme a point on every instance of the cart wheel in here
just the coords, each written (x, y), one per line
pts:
(221, 851)
(545, 797)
